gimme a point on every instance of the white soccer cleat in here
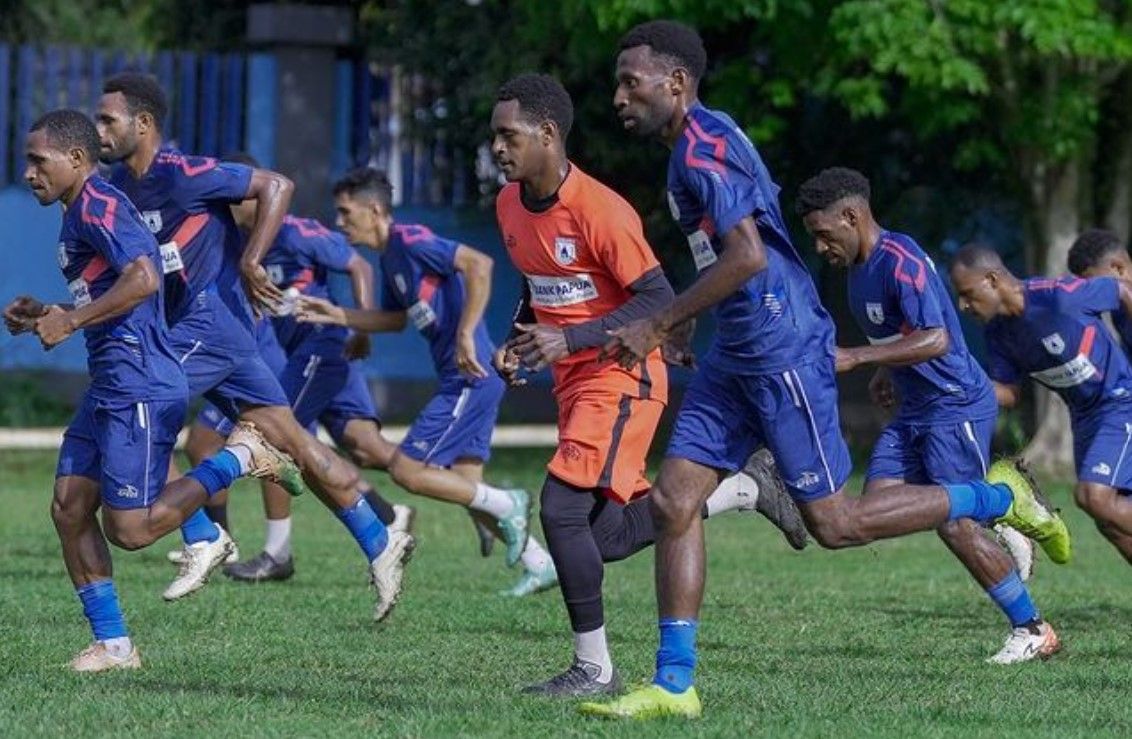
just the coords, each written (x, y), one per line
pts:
(1020, 549)
(201, 559)
(177, 556)
(97, 658)
(387, 572)
(403, 517)
(1026, 643)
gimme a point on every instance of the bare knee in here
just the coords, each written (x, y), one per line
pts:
(405, 472)
(837, 531)
(1094, 499)
(67, 515)
(126, 536)
(958, 532)
(673, 510)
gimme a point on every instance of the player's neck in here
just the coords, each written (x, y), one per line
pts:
(546, 183)
(139, 162)
(869, 241)
(73, 193)
(674, 129)
(1014, 302)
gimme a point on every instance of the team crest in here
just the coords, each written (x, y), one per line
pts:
(152, 220)
(1054, 344)
(274, 273)
(875, 312)
(63, 259)
(565, 251)
(399, 281)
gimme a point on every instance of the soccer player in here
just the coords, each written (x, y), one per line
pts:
(1100, 253)
(184, 200)
(769, 375)
(442, 287)
(116, 450)
(587, 269)
(946, 411)
(1052, 330)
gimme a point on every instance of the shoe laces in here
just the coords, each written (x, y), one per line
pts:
(575, 676)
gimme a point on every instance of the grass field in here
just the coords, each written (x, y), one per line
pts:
(888, 640)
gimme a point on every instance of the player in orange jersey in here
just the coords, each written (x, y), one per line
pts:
(587, 269)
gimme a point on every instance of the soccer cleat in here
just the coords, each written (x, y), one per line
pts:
(580, 679)
(1020, 549)
(773, 500)
(533, 582)
(200, 561)
(387, 572)
(97, 658)
(267, 461)
(177, 556)
(261, 568)
(648, 702)
(514, 526)
(403, 518)
(486, 538)
(1029, 511)
(1026, 643)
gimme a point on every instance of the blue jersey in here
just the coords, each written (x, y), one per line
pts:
(184, 201)
(1061, 342)
(300, 257)
(897, 291)
(128, 355)
(420, 277)
(715, 179)
(1123, 325)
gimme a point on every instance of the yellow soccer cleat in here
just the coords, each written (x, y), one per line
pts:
(268, 462)
(1029, 512)
(651, 701)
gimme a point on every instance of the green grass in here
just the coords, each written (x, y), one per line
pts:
(887, 640)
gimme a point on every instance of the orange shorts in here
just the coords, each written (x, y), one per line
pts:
(603, 437)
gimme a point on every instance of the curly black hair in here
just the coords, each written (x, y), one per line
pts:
(143, 94)
(1090, 247)
(541, 98)
(679, 43)
(366, 181)
(67, 129)
(828, 186)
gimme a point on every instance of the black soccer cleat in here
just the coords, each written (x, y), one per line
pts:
(580, 679)
(261, 568)
(774, 501)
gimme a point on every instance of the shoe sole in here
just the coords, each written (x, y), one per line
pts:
(406, 556)
(216, 563)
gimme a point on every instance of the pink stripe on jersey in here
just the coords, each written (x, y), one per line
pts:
(917, 280)
(95, 268)
(303, 279)
(106, 220)
(695, 134)
(308, 228)
(427, 288)
(412, 234)
(189, 229)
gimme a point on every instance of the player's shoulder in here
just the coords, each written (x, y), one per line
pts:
(1053, 289)
(100, 203)
(710, 140)
(591, 200)
(177, 163)
(305, 228)
(507, 199)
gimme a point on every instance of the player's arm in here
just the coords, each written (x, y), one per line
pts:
(272, 193)
(918, 346)
(506, 360)
(21, 314)
(476, 267)
(371, 320)
(138, 280)
(1005, 394)
(360, 273)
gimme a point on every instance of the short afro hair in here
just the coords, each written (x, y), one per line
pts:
(541, 98)
(678, 43)
(828, 186)
(1090, 247)
(69, 129)
(976, 255)
(366, 182)
(143, 94)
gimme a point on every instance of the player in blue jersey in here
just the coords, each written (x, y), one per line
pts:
(768, 377)
(184, 200)
(1100, 253)
(442, 287)
(946, 411)
(116, 450)
(1052, 331)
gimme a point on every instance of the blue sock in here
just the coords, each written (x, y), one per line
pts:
(1013, 598)
(100, 606)
(978, 500)
(676, 658)
(217, 472)
(366, 527)
(199, 527)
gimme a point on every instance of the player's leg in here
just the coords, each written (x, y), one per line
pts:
(1104, 475)
(206, 438)
(275, 562)
(358, 434)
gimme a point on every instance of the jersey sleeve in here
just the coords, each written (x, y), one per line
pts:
(907, 278)
(114, 229)
(323, 247)
(435, 254)
(1094, 296)
(207, 180)
(389, 300)
(614, 232)
(1000, 368)
(727, 193)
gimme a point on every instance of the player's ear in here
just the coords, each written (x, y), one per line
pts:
(547, 130)
(144, 121)
(76, 155)
(849, 213)
(678, 81)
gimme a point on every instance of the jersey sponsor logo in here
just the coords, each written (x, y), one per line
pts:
(673, 207)
(1074, 372)
(422, 315)
(565, 250)
(1054, 344)
(152, 220)
(773, 303)
(170, 258)
(64, 260)
(702, 253)
(1102, 468)
(554, 291)
(80, 292)
(875, 312)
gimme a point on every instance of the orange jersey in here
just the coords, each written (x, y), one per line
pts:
(579, 257)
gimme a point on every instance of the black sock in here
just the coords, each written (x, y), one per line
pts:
(379, 505)
(219, 515)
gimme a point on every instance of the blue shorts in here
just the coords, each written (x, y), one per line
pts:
(1102, 448)
(725, 417)
(272, 354)
(353, 401)
(922, 454)
(456, 424)
(125, 447)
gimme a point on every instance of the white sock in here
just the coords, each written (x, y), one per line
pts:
(492, 501)
(278, 541)
(119, 646)
(534, 557)
(243, 455)
(738, 490)
(590, 647)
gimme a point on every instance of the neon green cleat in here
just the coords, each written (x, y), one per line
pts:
(651, 701)
(1030, 512)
